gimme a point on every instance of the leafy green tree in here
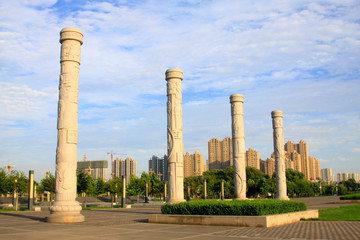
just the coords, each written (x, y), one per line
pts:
(256, 182)
(47, 184)
(17, 181)
(99, 187)
(195, 183)
(3, 182)
(350, 184)
(213, 182)
(134, 187)
(113, 186)
(156, 186)
(145, 178)
(329, 189)
(85, 184)
(342, 189)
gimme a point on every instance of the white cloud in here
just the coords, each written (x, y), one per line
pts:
(301, 57)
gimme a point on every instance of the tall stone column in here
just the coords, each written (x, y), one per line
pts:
(31, 190)
(65, 209)
(175, 143)
(277, 122)
(238, 140)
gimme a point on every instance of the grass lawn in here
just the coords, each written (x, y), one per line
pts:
(7, 210)
(343, 213)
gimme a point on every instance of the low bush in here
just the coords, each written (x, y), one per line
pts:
(235, 207)
(350, 197)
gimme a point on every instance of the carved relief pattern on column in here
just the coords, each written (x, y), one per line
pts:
(174, 134)
(67, 125)
(279, 155)
(238, 139)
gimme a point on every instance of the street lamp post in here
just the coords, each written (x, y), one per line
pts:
(15, 196)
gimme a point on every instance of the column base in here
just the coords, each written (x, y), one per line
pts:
(283, 198)
(65, 212)
(174, 200)
(240, 198)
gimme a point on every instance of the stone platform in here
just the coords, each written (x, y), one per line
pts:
(239, 221)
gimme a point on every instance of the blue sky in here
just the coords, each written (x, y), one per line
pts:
(301, 57)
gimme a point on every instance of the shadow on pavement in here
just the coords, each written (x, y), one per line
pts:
(40, 219)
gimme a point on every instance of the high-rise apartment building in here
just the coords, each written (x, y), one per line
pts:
(288, 162)
(262, 165)
(252, 158)
(355, 176)
(343, 177)
(302, 149)
(290, 147)
(347, 176)
(188, 165)
(226, 153)
(97, 168)
(314, 168)
(296, 159)
(214, 154)
(327, 175)
(199, 166)
(125, 168)
(269, 166)
(193, 164)
(159, 167)
(299, 155)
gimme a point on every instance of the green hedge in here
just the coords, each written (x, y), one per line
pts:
(235, 207)
(350, 197)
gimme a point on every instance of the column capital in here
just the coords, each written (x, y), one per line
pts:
(71, 33)
(173, 73)
(236, 98)
(276, 113)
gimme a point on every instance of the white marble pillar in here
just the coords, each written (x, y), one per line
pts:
(277, 122)
(175, 143)
(65, 209)
(238, 140)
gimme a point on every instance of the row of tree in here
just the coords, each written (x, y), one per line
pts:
(258, 184)
(261, 185)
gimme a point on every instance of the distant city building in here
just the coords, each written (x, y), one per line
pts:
(159, 167)
(252, 158)
(343, 177)
(262, 165)
(214, 154)
(193, 164)
(298, 154)
(296, 159)
(314, 168)
(226, 153)
(188, 165)
(97, 168)
(347, 176)
(269, 166)
(355, 176)
(125, 168)
(327, 175)
(302, 149)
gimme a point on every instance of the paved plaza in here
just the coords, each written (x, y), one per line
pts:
(132, 224)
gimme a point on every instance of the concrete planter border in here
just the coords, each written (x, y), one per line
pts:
(347, 201)
(239, 221)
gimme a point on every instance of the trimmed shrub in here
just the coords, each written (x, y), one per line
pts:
(235, 207)
(350, 197)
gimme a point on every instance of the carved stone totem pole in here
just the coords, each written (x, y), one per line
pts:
(175, 143)
(238, 140)
(277, 122)
(65, 209)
